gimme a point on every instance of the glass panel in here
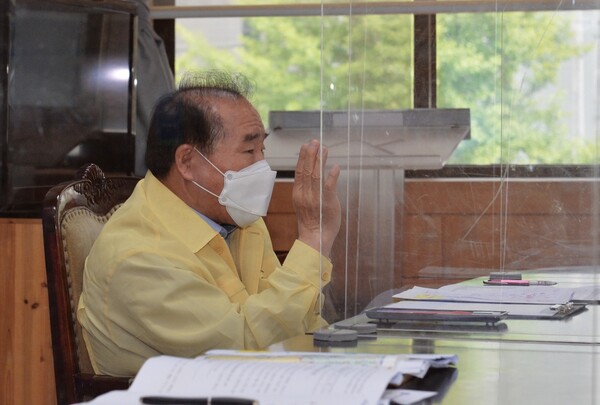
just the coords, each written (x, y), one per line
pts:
(366, 67)
(4, 35)
(514, 72)
(357, 66)
(261, 48)
(529, 81)
(69, 96)
(283, 58)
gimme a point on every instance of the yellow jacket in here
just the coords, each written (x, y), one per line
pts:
(160, 280)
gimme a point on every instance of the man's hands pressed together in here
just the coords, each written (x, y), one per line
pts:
(319, 216)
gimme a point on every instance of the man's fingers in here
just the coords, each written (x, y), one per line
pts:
(320, 163)
(332, 178)
(312, 151)
(301, 160)
(315, 193)
(308, 165)
(311, 168)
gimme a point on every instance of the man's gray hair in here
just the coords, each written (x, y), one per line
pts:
(217, 82)
(186, 115)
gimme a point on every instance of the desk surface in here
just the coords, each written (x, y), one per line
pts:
(530, 362)
(494, 373)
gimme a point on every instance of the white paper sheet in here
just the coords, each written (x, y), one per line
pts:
(587, 293)
(405, 397)
(268, 382)
(515, 310)
(274, 378)
(493, 294)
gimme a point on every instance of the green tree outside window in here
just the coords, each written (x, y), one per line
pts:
(501, 66)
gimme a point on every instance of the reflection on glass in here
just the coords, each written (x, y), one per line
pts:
(69, 96)
(530, 82)
(284, 58)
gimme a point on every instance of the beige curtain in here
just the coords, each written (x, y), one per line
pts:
(154, 78)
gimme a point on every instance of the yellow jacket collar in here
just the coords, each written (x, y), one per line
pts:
(176, 215)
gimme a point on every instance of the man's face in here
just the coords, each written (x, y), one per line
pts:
(241, 146)
(243, 142)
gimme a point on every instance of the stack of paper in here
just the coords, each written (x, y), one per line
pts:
(587, 294)
(526, 311)
(531, 302)
(507, 295)
(274, 378)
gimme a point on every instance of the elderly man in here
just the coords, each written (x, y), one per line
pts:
(186, 264)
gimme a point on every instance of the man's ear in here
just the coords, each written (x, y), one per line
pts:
(184, 162)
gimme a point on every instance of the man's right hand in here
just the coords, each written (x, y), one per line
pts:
(319, 216)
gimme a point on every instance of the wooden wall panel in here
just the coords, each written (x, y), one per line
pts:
(26, 370)
(488, 224)
(487, 196)
(524, 241)
(281, 219)
(283, 230)
(422, 244)
(479, 225)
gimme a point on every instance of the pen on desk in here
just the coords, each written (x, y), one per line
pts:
(159, 400)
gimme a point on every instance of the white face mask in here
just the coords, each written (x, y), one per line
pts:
(246, 194)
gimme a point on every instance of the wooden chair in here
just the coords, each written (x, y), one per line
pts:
(73, 215)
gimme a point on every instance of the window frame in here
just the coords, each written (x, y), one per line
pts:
(165, 12)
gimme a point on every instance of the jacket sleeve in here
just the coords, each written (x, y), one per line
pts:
(163, 303)
(290, 302)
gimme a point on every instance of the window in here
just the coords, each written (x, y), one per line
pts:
(528, 77)
(530, 80)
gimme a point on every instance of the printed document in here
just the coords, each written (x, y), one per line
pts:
(504, 294)
(274, 378)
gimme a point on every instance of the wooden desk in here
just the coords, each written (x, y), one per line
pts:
(531, 362)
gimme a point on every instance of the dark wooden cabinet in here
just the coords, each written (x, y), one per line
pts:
(67, 94)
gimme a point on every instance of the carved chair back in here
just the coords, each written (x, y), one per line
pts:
(73, 215)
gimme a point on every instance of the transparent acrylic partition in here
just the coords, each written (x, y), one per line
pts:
(529, 75)
(373, 149)
(482, 159)
(520, 193)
